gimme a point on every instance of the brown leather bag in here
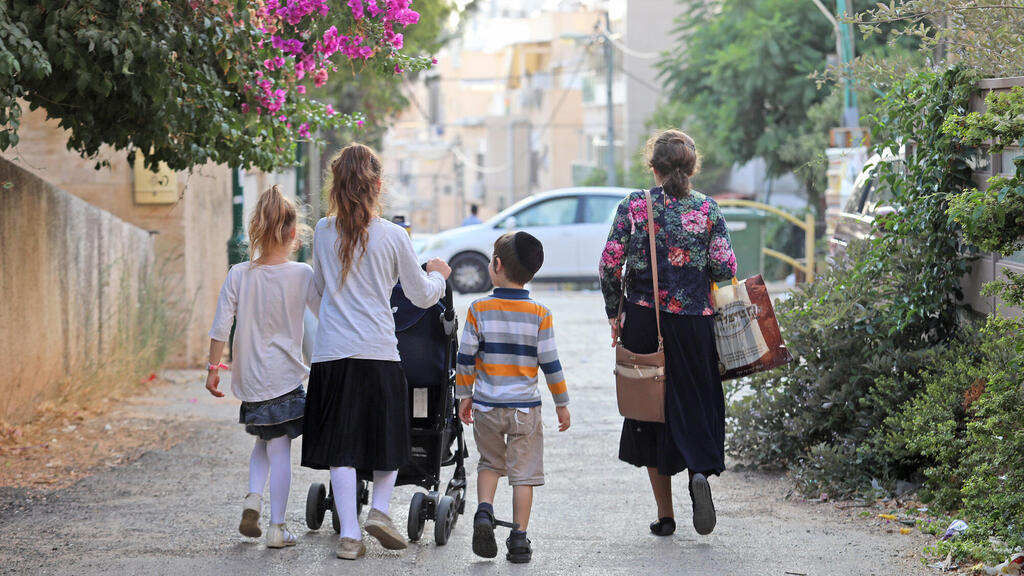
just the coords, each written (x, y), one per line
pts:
(640, 378)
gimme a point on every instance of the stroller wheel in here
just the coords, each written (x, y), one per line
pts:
(444, 520)
(315, 505)
(417, 515)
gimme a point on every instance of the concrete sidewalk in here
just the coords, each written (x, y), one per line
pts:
(176, 511)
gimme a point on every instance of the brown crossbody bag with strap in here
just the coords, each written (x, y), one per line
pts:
(640, 378)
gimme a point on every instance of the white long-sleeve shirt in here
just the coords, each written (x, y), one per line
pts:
(268, 303)
(355, 317)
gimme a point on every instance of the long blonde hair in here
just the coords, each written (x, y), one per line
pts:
(271, 224)
(354, 200)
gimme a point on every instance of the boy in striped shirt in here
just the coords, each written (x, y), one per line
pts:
(507, 338)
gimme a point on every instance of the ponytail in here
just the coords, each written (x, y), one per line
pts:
(271, 223)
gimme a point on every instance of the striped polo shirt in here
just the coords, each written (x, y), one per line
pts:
(507, 338)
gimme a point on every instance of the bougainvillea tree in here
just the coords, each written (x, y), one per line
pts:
(193, 81)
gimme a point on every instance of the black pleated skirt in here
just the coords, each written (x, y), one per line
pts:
(693, 435)
(356, 415)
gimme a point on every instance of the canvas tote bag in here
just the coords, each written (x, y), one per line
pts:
(640, 378)
(747, 333)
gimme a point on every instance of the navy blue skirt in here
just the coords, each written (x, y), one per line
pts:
(357, 414)
(693, 435)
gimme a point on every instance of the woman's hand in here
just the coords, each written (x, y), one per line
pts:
(466, 410)
(438, 265)
(616, 324)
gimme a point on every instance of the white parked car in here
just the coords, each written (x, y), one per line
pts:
(572, 223)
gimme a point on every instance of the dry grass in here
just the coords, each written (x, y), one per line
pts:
(89, 422)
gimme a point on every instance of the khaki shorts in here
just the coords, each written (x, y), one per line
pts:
(511, 443)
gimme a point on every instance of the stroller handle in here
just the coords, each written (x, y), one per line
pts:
(449, 304)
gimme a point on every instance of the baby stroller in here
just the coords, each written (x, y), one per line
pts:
(428, 344)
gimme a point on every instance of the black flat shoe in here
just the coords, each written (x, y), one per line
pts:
(519, 550)
(704, 518)
(483, 535)
(663, 527)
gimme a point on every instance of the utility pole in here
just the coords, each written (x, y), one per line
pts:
(851, 115)
(237, 249)
(609, 61)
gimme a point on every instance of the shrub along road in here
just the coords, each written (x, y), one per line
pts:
(175, 511)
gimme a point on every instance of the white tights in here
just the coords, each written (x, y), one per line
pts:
(274, 457)
(344, 482)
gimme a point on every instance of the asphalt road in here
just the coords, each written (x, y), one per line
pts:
(176, 511)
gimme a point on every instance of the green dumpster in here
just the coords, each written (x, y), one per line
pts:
(746, 228)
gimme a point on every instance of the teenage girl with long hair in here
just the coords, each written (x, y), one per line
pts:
(357, 407)
(266, 297)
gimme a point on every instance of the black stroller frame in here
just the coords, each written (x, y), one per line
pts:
(432, 438)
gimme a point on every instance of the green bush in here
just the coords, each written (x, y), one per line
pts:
(863, 334)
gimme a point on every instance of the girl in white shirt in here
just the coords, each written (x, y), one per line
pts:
(357, 412)
(266, 297)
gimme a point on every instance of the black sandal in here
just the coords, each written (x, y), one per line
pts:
(663, 527)
(483, 535)
(519, 551)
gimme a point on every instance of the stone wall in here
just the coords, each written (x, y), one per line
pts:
(190, 236)
(71, 279)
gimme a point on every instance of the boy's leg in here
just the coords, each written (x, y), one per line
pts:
(486, 486)
(522, 502)
(489, 434)
(525, 456)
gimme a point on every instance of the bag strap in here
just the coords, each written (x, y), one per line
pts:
(654, 264)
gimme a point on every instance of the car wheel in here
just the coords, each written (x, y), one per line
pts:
(469, 273)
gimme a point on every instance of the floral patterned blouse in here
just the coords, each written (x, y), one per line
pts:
(693, 248)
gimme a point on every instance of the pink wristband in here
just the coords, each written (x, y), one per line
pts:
(212, 367)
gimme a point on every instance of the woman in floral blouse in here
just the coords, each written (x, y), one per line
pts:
(693, 250)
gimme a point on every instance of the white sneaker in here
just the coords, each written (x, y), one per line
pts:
(278, 536)
(250, 524)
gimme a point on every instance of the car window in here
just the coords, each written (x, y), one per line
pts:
(879, 195)
(599, 209)
(859, 196)
(556, 212)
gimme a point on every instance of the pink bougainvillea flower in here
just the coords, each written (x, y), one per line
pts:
(304, 130)
(359, 123)
(300, 89)
(357, 8)
(329, 110)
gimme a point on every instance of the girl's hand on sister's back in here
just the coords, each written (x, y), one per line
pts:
(438, 265)
(466, 410)
(212, 380)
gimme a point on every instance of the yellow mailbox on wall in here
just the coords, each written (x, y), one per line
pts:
(160, 187)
